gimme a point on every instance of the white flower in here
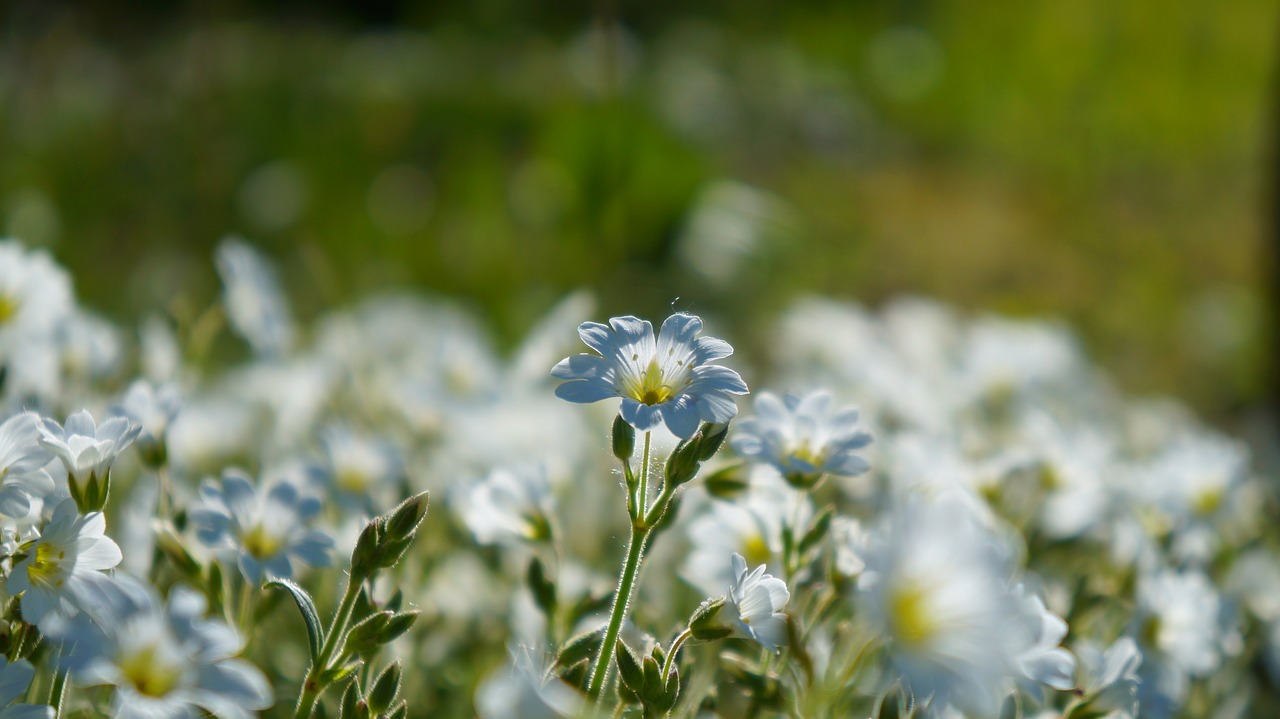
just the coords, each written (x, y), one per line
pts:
(507, 505)
(22, 462)
(1178, 625)
(164, 660)
(153, 407)
(935, 585)
(522, 688)
(255, 305)
(669, 381)
(267, 530)
(755, 601)
(1042, 660)
(62, 572)
(1109, 680)
(751, 526)
(15, 677)
(35, 294)
(87, 450)
(363, 470)
(803, 437)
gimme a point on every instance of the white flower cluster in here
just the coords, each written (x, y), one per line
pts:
(909, 513)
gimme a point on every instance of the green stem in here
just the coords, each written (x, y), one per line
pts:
(641, 505)
(621, 599)
(311, 686)
(58, 692)
(671, 653)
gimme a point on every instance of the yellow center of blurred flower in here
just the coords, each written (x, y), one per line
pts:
(151, 677)
(352, 480)
(44, 568)
(804, 452)
(1207, 501)
(261, 543)
(755, 550)
(909, 617)
(9, 307)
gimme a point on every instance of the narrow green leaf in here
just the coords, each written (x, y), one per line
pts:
(306, 607)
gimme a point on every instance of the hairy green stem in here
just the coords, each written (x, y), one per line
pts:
(621, 599)
(312, 687)
(58, 691)
(671, 653)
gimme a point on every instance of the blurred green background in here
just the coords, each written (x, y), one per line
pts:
(1106, 163)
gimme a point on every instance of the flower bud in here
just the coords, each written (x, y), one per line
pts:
(385, 688)
(712, 438)
(403, 521)
(624, 439)
(728, 483)
(364, 559)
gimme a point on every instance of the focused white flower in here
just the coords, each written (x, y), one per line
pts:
(267, 530)
(255, 305)
(15, 677)
(669, 381)
(803, 437)
(755, 603)
(507, 505)
(163, 659)
(22, 462)
(62, 573)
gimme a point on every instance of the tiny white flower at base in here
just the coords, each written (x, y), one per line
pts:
(62, 573)
(753, 607)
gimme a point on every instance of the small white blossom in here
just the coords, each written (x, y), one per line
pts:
(255, 305)
(164, 659)
(266, 529)
(803, 437)
(86, 449)
(507, 505)
(22, 462)
(62, 573)
(754, 605)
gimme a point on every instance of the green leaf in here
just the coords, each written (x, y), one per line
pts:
(384, 690)
(817, 530)
(629, 669)
(543, 589)
(307, 607)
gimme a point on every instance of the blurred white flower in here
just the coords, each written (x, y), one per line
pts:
(255, 304)
(15, 677)
(364, 471)
(803, 437)
(1178, 624)
(522, 688)
(22, 462)
(163, 659)
(750, 526)
(507, 505)
(1109, 680)
(266, 529)
(936, 586)
(153, 407)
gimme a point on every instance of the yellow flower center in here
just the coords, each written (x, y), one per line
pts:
(804, 452)
(755, 550)
(260, 542)
(150, 676)
(352, 480)
(45, 568)
(9, 307)
(909, 617)
(1207, 501)
(650, 387)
